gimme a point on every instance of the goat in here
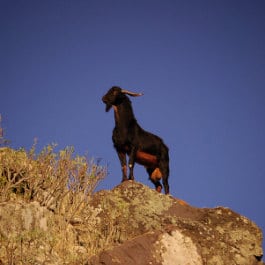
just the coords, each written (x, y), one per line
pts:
(129, 138)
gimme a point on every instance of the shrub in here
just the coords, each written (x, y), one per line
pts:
(48, 176)
(62, 184)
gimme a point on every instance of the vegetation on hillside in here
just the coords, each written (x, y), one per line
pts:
(56, 186)
(47, 176)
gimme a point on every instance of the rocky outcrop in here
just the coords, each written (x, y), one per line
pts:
(156, 229)
(131, 224)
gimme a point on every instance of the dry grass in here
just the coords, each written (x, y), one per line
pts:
(60, 183)
(48, 176)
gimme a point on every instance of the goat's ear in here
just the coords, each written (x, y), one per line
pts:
(131, 93)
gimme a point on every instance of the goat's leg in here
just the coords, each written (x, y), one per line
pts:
(122, 157)
(131, 163)
(154, 175)
(165, 184)
(165, 172)
(157, 184)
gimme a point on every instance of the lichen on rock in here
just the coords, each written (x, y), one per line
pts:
(183, 234)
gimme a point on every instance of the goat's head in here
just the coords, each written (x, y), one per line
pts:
(116, 95)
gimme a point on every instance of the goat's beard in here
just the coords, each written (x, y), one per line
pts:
(108, 107)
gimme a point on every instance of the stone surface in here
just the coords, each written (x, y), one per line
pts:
(158, 229)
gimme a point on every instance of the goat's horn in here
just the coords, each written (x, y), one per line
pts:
(131, 93)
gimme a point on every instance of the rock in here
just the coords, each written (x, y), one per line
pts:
(151, 228)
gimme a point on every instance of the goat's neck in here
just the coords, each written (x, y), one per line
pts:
(123, 115)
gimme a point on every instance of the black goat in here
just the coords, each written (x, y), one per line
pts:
(129, 138)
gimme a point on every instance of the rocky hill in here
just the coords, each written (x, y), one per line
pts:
(130, 224)
(49, 214)
(152, 228)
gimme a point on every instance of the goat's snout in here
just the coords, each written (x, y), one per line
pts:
(108, 105)
(104, 99)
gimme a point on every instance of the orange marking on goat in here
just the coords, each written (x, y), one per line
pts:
(146, 159)
(156, 174)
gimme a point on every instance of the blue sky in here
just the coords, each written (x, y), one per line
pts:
(200, 65)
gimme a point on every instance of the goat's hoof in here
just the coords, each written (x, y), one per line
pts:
(159, 189)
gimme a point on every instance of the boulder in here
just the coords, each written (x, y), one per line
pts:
(151, 228)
